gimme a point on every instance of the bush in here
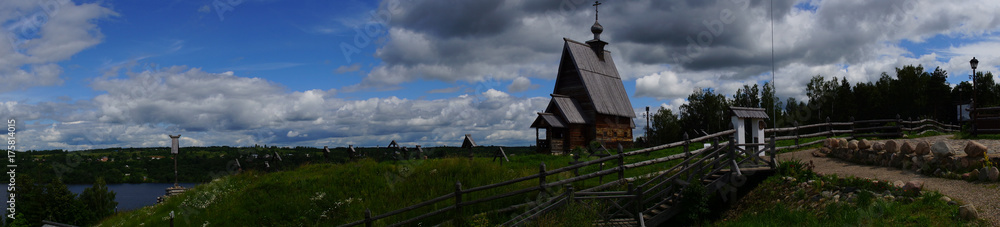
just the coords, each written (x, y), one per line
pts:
(694, 199)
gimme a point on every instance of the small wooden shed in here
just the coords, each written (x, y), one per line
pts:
(749, 124)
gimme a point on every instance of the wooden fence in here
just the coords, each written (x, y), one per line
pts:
(987, 120)
(651, 202)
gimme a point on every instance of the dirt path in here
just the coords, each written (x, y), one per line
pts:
(986, 197)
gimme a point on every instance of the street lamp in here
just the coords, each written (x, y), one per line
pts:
(974, 63)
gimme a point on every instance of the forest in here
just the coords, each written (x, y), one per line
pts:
(912, 93)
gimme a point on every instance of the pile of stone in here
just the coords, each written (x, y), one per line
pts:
(936, 159)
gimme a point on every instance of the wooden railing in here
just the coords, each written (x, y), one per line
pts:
(658, 185)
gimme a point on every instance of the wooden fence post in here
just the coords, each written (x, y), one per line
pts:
(368, 218)
(570, 195)
(687, 151)
(541, 178)
(829, 128)
(458, 199)
(852, 127)
(621, 165)
(638, 204)
(774, 150)
(796, 124)
(732, 152)
(899, 125)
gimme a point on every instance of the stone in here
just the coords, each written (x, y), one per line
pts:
(842, 142)
(898, 183)
(945, 199)
(975, 149)
(864, 144)
(891, 146)
(941, 149)
(968, 212)
(826, 194)
(826, 142)
(913, 185)
(966, 176)
(974, 175)
(906, 148)
(993, 174)
(853, 145)
(878, 147)
(923, 148)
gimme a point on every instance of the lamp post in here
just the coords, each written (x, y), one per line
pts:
(647, 127)
(174, 149)
(974, 63)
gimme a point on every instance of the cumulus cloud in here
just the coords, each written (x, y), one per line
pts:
(521, 84)
(727, 40)
(40, 34)
(225, 109)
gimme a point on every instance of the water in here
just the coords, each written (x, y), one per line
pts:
(128, 196)
(133, 196)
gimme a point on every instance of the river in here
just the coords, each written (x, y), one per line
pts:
(128, 196)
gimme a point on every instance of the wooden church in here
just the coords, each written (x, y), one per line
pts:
(589, 102)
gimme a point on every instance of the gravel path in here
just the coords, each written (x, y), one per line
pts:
(986, 197)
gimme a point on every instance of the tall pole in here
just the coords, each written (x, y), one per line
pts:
(174, 149)
(974, 63)
(647, 127)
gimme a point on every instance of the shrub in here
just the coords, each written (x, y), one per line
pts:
(694, 198)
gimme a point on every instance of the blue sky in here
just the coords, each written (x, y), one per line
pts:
(88, 74)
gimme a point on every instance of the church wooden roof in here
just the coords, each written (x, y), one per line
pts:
(600, 78)
(547, 120)
(570, 109)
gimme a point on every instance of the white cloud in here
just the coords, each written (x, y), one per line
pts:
(40, 34)
(521, 84)
(226, 109)
(348, 68)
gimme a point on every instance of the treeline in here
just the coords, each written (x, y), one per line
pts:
(912, 94)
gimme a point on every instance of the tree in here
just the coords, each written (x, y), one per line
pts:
(747, 96)
(939, 96)
(843, 105)
(60, 204)
(821, 96)
(98, 201)
(666, 127)
(705, 112)
(770, 102)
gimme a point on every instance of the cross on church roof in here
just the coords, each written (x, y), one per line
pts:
(596, 4)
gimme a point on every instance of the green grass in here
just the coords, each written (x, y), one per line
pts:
(334, 194)
(325, 194)
(773, 207)
(927, 211)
